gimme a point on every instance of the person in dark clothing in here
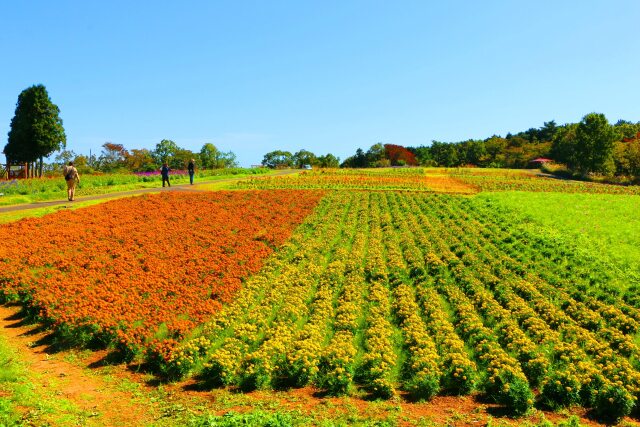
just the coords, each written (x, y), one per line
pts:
(192, 169)
(165, 174)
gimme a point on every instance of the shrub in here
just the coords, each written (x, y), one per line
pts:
(254, 375)
(459, 379)
(381, 388)
(517, 396)
(423, 386)
(535, 367)
(572, 421)
(216, 374)
(83, 336)
(295, 373)
(590, 389)
(336, 380)
(512, 390)
(560, 390)
(614, 403)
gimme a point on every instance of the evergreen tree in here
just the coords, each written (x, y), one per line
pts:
(36, 128)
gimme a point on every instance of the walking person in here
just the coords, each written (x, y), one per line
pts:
(191, 167)
(72, 177)
(165, 174)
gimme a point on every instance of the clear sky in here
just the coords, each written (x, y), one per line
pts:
(327, 76)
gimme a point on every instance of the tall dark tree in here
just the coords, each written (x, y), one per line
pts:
(423, 154)
(36, 128)
(563, 146)
(64, 157)
(445, 154)
(594, 144)
(548, 130)
(181, 158)
(495, 148)
(472, 152)
(359, 160)
(328, 161)
(625, 130)
(376, 156)
(140, 160)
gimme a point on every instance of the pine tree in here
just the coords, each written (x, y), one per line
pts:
(36, 128)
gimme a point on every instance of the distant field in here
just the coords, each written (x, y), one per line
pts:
(605, 224)
(434, 180)
(410, 179)
(522, 180)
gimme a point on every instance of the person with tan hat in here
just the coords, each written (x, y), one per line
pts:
(72, 177)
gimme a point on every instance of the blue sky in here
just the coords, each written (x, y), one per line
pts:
(327, 76)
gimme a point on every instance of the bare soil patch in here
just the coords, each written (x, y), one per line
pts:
(91, 394)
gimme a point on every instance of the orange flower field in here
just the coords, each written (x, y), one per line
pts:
(144, 271)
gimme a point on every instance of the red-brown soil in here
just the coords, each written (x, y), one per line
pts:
(90, 393)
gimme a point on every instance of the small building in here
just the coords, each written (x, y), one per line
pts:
(536, 163)
(17, 170)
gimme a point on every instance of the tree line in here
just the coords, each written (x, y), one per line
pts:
(592, 146)
(115, 157)
(285, 159)
(379, 155)
(37, 131)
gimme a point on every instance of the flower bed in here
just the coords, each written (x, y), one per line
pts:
(144, 271)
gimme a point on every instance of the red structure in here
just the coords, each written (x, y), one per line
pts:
(540, 161)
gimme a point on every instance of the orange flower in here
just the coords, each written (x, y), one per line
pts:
(150, 266)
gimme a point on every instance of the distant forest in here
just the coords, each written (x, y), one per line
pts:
(592, 146)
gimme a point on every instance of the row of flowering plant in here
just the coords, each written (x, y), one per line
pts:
(388, 291)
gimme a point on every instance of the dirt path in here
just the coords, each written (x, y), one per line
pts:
(175, 187)
(99, 403)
